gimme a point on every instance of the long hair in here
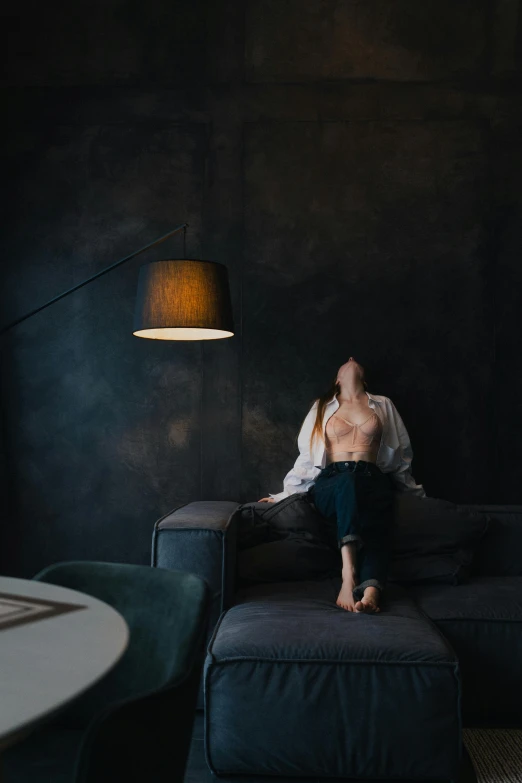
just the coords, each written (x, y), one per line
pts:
(317, 429)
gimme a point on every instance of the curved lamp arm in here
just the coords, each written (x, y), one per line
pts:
(98, 274)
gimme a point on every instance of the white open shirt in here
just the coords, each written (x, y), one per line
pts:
(394, 456)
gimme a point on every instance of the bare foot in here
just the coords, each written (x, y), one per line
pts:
(345, 598)
(369, 601)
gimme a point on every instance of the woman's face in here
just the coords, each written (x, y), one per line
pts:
(351, 369)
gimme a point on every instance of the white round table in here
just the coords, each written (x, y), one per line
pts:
(54, 644)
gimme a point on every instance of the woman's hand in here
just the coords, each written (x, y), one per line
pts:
(266, 500)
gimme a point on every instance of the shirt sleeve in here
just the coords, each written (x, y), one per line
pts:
(402, 475)
(302, 476)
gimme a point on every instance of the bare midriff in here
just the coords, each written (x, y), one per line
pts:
(353, 423)
(352, 456)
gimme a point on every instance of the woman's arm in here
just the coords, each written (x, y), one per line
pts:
(402, 476)
(301, 477)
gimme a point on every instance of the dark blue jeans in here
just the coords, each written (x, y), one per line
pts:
(357, 499)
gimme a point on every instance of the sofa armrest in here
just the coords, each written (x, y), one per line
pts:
(201, 537)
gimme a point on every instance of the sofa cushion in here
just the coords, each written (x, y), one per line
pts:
(328, 683)
(499, 552)
(433, 540)
(293, 559)
(288, 540)
(482, 620)
(263, 522)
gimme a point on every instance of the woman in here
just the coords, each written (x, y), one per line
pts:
(354, 450)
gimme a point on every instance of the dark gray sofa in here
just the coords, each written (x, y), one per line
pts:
(295, 686)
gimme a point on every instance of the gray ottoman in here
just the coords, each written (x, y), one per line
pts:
(296, 686)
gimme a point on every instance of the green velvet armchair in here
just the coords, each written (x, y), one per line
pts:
(136, 723)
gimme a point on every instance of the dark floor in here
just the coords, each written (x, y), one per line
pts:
(198, 772)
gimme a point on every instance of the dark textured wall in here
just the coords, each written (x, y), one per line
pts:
(357, 167)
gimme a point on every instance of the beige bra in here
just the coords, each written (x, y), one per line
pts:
(342, 435)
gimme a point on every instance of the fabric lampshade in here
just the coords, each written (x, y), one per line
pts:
(183, 299)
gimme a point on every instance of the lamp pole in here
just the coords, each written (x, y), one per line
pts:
(183, 227)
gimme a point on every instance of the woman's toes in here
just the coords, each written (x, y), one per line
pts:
(366, 605)
(370, 600)
(348, 607)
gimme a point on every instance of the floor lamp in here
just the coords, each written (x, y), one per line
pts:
(177, 299)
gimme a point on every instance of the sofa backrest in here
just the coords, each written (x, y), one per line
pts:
(499, 552)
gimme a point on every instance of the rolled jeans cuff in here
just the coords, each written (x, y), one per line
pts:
(351, 538)
(358, 590)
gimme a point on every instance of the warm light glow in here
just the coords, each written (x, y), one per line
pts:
(190, 293)
(183, 333)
